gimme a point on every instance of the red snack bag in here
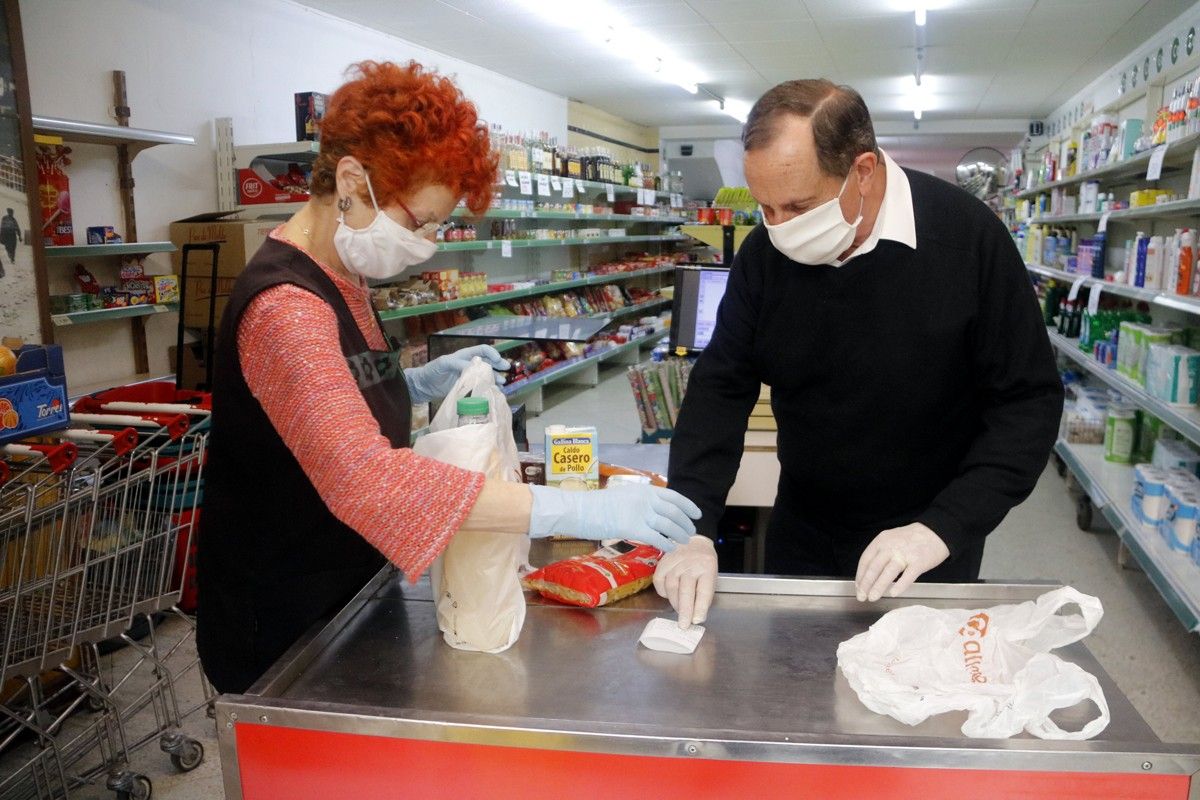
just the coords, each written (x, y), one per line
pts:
(610, 574)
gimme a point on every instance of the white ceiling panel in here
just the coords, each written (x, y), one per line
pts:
(984, 59)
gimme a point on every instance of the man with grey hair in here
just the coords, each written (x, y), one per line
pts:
(912, 380)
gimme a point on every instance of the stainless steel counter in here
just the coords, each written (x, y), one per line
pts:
(761, 687)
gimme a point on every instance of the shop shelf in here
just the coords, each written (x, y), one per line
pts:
(108, 314)
(122, 249)
(498, 244)
(1190, 305)
(714, 235)
(304, 152)
(516, 294)
(588, 186)
(96, 133)
(1110, 487)
(1179, 153)
(76, 392)
(636, 308)
(502, 213)
(1184, 420)
(1178, 208)
(563, 370)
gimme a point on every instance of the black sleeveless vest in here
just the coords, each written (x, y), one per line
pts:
(272, 558)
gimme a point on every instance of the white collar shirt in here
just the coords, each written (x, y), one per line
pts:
(896, 220)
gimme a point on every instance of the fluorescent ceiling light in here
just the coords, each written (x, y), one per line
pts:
(737, 109)
(917, 113)
(599, 21)
(920, 14)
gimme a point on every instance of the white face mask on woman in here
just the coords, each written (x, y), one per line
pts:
(819, 235)
(383, 249)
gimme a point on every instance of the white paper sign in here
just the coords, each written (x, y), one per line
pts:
(543, 185)
(1075, 287)
(676, 201)
(568, 189)
(510, 177)
(161, 309)
(506, 249)
(611, 191)
(526, 182)
(1103, 226)
(555, 182)
(1154, 168)
(61, 319)
(579, 186)
(1094, 298)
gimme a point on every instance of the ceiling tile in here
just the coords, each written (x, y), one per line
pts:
(793, 33)
(719, 11)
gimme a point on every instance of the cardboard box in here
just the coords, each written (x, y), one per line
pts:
(238, 238)
(192, 374)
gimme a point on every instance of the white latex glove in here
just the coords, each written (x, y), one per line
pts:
(687, 576)
(905, 553)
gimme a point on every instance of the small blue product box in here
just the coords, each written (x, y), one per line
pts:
(34, 399)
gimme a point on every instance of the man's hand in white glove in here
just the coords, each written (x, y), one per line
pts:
(687, 576)
(905, 553)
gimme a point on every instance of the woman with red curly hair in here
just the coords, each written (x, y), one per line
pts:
(310, 484)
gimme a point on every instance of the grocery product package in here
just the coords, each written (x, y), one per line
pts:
(610, 574)
(476, 581)
(994, 663)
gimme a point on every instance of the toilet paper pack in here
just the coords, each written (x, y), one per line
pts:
(1149, 500)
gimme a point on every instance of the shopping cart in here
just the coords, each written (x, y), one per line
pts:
(92, 524)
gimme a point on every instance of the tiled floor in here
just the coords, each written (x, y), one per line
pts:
(1139, 642)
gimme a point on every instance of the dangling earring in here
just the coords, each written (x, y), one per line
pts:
(343, 203)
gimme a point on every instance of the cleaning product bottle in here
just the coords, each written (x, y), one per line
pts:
(1154, 263)
(1138, 278)
(1187, 244)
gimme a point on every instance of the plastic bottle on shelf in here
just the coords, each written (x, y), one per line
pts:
(1187, 259)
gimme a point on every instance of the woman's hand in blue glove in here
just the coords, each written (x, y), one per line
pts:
(435, 380)
(641, 513)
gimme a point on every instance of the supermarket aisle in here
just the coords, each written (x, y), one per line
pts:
(609, 406)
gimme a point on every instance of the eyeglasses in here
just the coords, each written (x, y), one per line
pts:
(423, 228)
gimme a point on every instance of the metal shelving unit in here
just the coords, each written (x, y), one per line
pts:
(128, 142)
(109, 314)
(103, 250)
(1177, 208)
(1179, 153)
(542, 379)
(498, 244)
(503, 213)
(1184, 420)
(1110, 487)
(516, 294)
(1164, 299)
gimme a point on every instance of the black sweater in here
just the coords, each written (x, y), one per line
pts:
(908, 386)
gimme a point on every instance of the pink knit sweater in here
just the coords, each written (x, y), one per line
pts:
(405, 505)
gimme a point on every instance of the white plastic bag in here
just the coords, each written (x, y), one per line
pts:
(993, 663)
(476, 582)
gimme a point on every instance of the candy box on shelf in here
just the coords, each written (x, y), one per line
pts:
(33, 400)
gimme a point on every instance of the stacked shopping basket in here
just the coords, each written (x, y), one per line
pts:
(96, 527)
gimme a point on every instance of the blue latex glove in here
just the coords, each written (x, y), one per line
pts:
(435, 380)
(637, 512)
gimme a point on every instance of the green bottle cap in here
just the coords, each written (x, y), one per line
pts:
(473, 407)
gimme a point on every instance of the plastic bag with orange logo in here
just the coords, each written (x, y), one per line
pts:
(993, 663)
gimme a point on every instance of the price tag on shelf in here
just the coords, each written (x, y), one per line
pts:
(1154, 168)
(160, 309)
(1103, 226)
(1075, 287)
(510, 177)
(506, 248)
(555, 183)
(611, 192)
(644, 199)
(568, 189)
(526, 182)
(676, 201)
(579, 187)
(61, 319)
(543, 185)
(1094, 298)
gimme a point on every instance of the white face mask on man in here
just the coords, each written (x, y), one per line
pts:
(383, 249)
(819, 235)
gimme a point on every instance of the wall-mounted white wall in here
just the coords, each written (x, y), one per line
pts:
(187, 63)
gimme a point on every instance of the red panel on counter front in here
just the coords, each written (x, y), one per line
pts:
(299, 764)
